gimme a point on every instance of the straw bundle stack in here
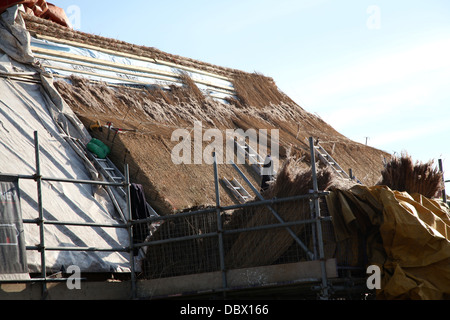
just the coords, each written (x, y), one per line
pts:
(402, 174)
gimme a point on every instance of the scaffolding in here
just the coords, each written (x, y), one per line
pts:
(210, 242)
(41, 222)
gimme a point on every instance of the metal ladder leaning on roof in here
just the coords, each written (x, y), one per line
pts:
(237, 189)
(113, 174)
(255, 160)
(328, 160)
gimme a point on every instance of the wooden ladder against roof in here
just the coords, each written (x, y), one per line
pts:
(237, 189)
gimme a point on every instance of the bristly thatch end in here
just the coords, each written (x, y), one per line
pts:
(257, 90)
(402, 174)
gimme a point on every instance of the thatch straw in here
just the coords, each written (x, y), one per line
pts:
(264, 248)
(191, 88)
(257, 91)
(185, 102)
(402, 174)
(154, 104)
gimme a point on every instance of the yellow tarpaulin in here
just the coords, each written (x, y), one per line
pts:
(408, 236)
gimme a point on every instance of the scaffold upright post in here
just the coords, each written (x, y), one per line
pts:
(219, 225)
(38, 178)
(324, 294)
(129, 218)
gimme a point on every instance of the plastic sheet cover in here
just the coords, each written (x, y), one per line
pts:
(408, 236)
(12, 243)
(23, 110)
(31, 103)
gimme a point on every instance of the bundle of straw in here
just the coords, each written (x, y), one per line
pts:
(402, 174)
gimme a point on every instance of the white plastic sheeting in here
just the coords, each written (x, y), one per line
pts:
(28, 106)
(14, 41)
(23, 110)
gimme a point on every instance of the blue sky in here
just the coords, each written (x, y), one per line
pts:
(376, 70)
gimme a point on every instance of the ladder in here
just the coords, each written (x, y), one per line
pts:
(327, 159)
(113, 174)
(110, 171)
(237, 189)
(255, 160)
(105, 166)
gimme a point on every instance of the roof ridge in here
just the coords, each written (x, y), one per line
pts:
(47, 27)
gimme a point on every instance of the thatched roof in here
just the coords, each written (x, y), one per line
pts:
(151, 114)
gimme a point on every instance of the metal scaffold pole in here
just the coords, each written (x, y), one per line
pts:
(219, 225)
(130, 231)
(38, 179)
(324, 293)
